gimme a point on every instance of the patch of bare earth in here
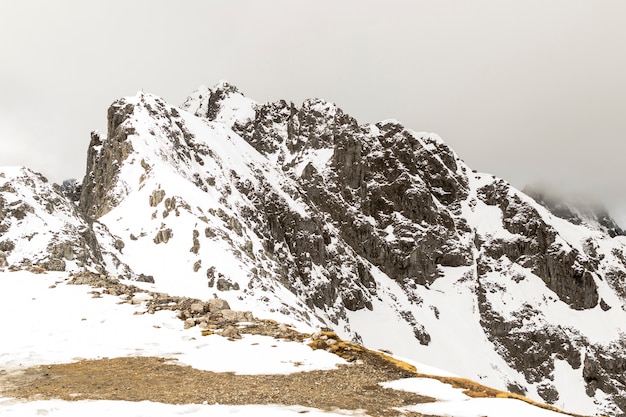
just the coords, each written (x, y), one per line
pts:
(350, 387)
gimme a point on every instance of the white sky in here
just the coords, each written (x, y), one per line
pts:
(528, 90)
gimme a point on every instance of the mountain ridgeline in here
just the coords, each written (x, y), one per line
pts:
(379, 232)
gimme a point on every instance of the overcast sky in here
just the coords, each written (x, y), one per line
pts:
(529, 90)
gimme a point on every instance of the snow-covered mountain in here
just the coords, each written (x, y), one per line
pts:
(41, 228)
(381, 233)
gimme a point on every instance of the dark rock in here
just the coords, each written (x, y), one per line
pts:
(145, 278)
(156, 197)
(231, 332)
(103, 161)
(163, 236)
(563, 270)
(55, 265)
(217, 304)
(548, 392)
(7, 246)
(224, 284)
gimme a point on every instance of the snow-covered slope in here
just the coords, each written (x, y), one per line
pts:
(381, 233)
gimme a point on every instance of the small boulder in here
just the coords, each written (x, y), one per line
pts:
(231, 333)
(55, 265)
(224, 284)
(197, 308)
(145, 278)
(218, 304)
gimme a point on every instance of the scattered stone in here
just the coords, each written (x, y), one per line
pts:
(231, 332)
(55, 265)
(197, 308)
(218, 304)
(119, 244)
(604, 306)
(224, 284)
(163, 236)
(237, 316)
(196, 243)
(156, 197)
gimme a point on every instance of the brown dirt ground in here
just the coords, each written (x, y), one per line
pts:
(350, 387)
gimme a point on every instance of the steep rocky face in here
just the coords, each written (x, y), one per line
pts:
(395, 198)
(313, 217)
(104, 158)
(565, 270)
(389, 196)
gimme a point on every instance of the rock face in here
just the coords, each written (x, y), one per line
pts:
(104, 158)
(379, 232)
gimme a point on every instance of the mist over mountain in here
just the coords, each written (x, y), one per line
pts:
(575, 209)
(379, 232)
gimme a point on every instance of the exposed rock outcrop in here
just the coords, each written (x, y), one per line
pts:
(104, 158)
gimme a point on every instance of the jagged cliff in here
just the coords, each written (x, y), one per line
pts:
(377, 231)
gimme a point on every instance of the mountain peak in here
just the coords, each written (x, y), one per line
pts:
(225, 86)
(223, 103)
